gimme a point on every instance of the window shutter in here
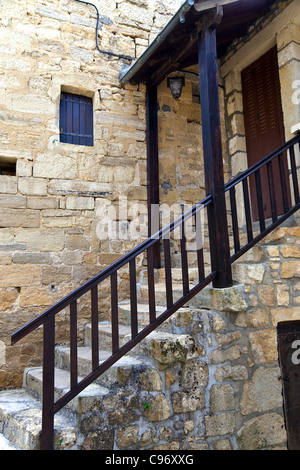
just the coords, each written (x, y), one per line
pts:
(76, 119)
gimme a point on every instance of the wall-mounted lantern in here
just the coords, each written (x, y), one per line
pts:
(176, 84)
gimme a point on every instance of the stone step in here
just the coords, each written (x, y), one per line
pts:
(159, 275)
(119, 374)
(104, 329)
(21, 423)
(160, 293)
(86, 399)
(157, 344)
(5, 444)
(142, 313)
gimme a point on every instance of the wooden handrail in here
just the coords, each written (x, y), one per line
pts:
(47, 318)
(288, 186)
(76, 294)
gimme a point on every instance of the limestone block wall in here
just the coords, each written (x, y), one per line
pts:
(52, 203)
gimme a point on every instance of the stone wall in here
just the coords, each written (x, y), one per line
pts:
(51, 206)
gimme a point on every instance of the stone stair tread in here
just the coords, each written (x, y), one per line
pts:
(84, 353)
(21, 420)
(62, 382)
(141, 307)
(118, 373)
(5, 444)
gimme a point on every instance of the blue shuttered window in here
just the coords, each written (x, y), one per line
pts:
(76, 119)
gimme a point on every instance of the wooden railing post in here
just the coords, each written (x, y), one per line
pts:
(47, 441)
(152, 167)
(212, 147)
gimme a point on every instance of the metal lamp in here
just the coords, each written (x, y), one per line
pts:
(176, 84)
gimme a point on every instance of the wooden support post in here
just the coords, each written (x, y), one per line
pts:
(212, 147)
(152, 168)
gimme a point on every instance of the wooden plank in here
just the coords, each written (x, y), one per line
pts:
(201, 5)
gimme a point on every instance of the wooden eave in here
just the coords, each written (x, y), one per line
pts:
(175, 48)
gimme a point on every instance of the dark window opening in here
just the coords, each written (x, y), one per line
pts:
(8, 167)
(76, 119)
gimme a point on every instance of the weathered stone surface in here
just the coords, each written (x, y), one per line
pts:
(99, 440)
(262, 392)
(7, 298)
(127, 436)
(166, 348)
(42, 239)
(19, 218)
(17, 276)
(149, 379)
(186, 401)
(219, 424)
(224, 300)
(222, 398)
(158, 409)
(290, 269)
(194, 375)
(264, 345)
(262, 432)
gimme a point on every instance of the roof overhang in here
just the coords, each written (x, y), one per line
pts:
(175, 47)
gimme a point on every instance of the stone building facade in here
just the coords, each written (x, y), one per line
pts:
(54, 196)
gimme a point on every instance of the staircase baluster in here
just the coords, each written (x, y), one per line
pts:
(199, 245)
(283, 180)
(133, 298)
(247, 210)
(114, 312)
(260, 202)
(94, 328)
(168, 272)
(151, 289)
(73, 345)
(294, 174)
(48, 383)
(235, 226)
(184, 259)
(272, 191)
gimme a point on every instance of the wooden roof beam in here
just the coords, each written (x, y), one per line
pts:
(173, 59)
(201, 5)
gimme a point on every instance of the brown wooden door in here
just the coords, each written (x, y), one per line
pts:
(263, 124)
